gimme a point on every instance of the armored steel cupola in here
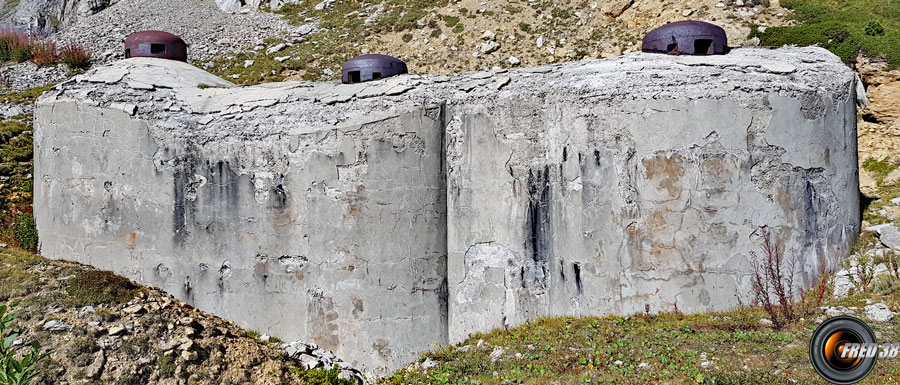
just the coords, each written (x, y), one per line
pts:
(687, 37)
(371, 67)
(156, 44)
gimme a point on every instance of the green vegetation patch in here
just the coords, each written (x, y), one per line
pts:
(25, 232)
(322, 377)
(709, 348)
(166, 366)
(15, 279)
(92, 287)
(27, 96)
(880, 168)
(845, 27)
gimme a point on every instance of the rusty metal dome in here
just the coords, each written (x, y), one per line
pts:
(156, 44)
(687, 37)
(370, 67)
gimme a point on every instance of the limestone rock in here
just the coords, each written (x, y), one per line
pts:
(230, 6)
(890, 237)
(56, 326)
(496, 353)
(428, 363)
(615, 8)
(892, 178)
(10, 110)
(85, 312)
(116, 330)
(310, 361)
(878, 312)
(95, 369)
(276, 48)
(189, 356)
(834, 311)
(882, 101)
(489, 47)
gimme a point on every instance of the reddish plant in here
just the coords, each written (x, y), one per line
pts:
(43, 53)
(75, 56)
(15, 45)
(774, 277)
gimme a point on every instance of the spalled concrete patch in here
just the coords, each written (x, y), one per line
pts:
(378, 219)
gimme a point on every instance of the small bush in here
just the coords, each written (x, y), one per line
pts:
(166, 366)
(865, 273)
(25, 232)
(75, 56)
(773, 276)
(43, 53)
(14, 45)
(874, 28)
(322, 377)
(451, 21)
(93, 287)
(82, 345)
(106, 315)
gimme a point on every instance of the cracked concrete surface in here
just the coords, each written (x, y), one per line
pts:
(377, 219)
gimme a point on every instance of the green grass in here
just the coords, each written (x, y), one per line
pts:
(322, 377)
(880, 168)
(15, 279)
(27, 96)
(166, 366)
(91, 287)
(844, 27)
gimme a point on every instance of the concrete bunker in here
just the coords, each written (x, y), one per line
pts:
(380, 218)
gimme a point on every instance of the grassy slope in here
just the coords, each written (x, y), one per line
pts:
(673, 347)
(840, 26)
(711, 348)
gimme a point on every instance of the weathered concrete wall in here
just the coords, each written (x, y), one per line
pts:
(378, 219)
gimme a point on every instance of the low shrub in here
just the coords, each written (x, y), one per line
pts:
(92, 287)
(322, 377)
(76, 56)
(25, 232)
(43, 53)
(772, 281)
(846, 28)
(15, 45)
(19, 46)
(166, 366)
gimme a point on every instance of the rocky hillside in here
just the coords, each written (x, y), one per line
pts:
(104, 329)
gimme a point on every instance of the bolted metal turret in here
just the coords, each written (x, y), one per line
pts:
(370, 67)
(156, 44)
(687, 37)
